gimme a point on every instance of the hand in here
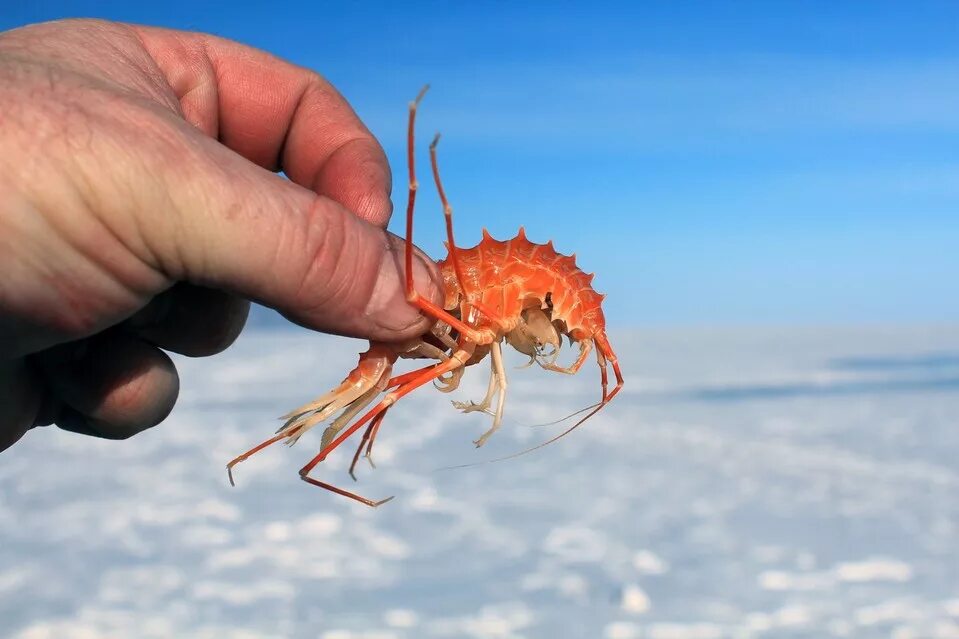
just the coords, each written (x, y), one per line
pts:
(139, 210)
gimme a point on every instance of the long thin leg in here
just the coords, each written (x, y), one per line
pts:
(368, 436)
(423, 348)
(432, 310)
(405, 378)
(370, 433)
(448, 217)
(458, 359)
(411, 198)
(373, 366)
(604, 378)
(602, 344)
(450, 383)
(500, 372)
(497, 386)
(236, 460)
(374, 432)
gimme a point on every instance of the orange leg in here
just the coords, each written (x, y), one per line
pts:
(606, 399)
(604, 378)
(430, 309)
(448, 216)
(459, 358)
(368, 436)
(369, 445)
(370, 433)
(236, 460)
(373, 366)
(619, 381)
(603, 346)
(414, 185)
(291, 435)
(399, 380)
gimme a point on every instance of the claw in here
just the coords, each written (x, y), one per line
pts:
(449, 383)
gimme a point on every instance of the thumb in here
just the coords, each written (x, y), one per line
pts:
(211, 217)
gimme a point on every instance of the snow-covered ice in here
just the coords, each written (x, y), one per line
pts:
(747, 483)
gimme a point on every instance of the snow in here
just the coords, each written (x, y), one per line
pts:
(748, 482)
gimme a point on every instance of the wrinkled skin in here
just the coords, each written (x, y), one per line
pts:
(140, 211)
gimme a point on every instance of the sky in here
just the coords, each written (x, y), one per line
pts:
(713, 163)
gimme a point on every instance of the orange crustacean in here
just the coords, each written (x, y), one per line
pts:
(524, 293)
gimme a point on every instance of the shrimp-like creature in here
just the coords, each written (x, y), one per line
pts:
(524, 293)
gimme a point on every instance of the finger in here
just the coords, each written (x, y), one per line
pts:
(276, 114)
(198, 212)
(112, 385)
(191, 320)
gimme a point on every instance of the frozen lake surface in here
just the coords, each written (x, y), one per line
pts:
(747, 483)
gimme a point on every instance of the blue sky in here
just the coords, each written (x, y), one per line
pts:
(727, 163)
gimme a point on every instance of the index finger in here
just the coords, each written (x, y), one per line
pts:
(281, 116)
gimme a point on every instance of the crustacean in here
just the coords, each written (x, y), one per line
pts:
(516, 291)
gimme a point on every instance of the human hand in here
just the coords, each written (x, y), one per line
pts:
(139, 211)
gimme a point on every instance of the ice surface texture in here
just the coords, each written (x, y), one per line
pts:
(748, 483)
